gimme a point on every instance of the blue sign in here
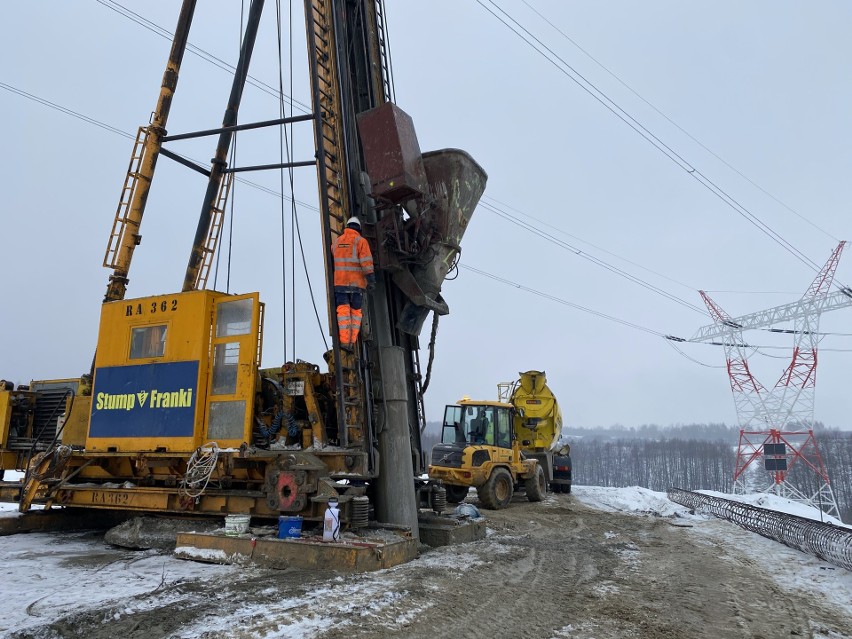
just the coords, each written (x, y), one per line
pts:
(146, 400)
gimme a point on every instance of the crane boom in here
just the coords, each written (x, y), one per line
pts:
(125, 236)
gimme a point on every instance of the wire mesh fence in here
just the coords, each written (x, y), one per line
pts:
(826, 541)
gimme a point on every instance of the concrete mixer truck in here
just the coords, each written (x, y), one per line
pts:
(504, 446)
(538, 425)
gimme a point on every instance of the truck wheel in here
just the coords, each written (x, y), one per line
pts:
(496, 493)
(456, 494)
(566, 489)
(536, 486)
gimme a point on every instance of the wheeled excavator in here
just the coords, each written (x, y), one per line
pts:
(177, 416)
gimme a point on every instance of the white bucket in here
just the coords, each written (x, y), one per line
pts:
(236, 524)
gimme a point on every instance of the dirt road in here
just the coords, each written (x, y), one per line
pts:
(557, 569)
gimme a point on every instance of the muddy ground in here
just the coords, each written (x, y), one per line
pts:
(557, 569)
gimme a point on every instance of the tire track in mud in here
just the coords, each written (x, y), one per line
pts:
(521, 589)
(555, 570)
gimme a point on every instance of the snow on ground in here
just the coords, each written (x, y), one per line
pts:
(782, 504)
(37, 569)
(791, 570)
(46, 575)
(633, 499)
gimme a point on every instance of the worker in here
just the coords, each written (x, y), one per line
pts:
(489, 431)
(353, 272)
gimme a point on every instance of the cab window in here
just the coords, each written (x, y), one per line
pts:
(503, 432)
(477, 425)
(148, 341)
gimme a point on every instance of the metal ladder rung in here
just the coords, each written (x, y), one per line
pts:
(122, 211)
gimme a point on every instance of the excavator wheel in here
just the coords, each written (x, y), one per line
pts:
(536, 486)
(456, 494)
(497, 492)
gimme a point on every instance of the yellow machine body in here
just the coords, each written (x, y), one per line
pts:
(538, 418)
(479, 450)
(473, 475)
(173, 372)
(32, 416)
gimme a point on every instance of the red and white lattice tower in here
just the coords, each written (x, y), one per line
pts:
(777, 425)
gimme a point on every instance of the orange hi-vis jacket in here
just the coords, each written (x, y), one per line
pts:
(353, 261)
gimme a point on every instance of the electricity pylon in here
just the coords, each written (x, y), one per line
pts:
(777, 424)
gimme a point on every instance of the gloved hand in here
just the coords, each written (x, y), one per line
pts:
(371, 286)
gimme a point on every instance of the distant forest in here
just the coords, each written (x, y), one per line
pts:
(690, 456)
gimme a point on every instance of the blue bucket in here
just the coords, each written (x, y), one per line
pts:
(289, 527)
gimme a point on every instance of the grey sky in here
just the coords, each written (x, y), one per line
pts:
(764, 85)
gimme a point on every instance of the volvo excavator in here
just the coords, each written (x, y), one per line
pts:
(177, 416)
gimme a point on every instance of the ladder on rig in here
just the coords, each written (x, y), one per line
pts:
(334, 202)
(122, 214)
(354, 377)
(217, 219)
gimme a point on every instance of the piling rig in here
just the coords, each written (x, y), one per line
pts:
(177, 415)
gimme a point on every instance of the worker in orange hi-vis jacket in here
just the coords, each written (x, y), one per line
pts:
(353, 272)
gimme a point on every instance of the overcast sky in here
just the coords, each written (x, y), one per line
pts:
(754, 96)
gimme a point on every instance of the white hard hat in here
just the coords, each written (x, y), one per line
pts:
(353, 220)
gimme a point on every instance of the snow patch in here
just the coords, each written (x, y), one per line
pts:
(781, 504)
(201, 554)
(633, 499)
(37, 570)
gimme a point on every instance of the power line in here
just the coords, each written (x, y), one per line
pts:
(669, 152)
(570, 72)
(66, 111)
(677, 126)
(594, 246)
(304, 205)
(125, 134)
(195, 50)
(591, 258)
(692, 359)
(707, 290)
(670, 339)
(559, 300)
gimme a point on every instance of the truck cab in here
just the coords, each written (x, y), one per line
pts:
(479, 449)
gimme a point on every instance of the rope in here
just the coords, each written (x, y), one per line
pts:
(199, 470)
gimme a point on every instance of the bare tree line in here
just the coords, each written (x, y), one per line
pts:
(656, 464)
(688, 456)
(693, 464)
(835, 447)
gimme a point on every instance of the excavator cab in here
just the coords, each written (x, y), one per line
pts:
(489, 425)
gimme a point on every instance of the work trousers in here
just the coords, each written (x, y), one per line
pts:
(349, 301)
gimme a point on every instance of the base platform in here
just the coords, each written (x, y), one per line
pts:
(440, 530)
(376, 550)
